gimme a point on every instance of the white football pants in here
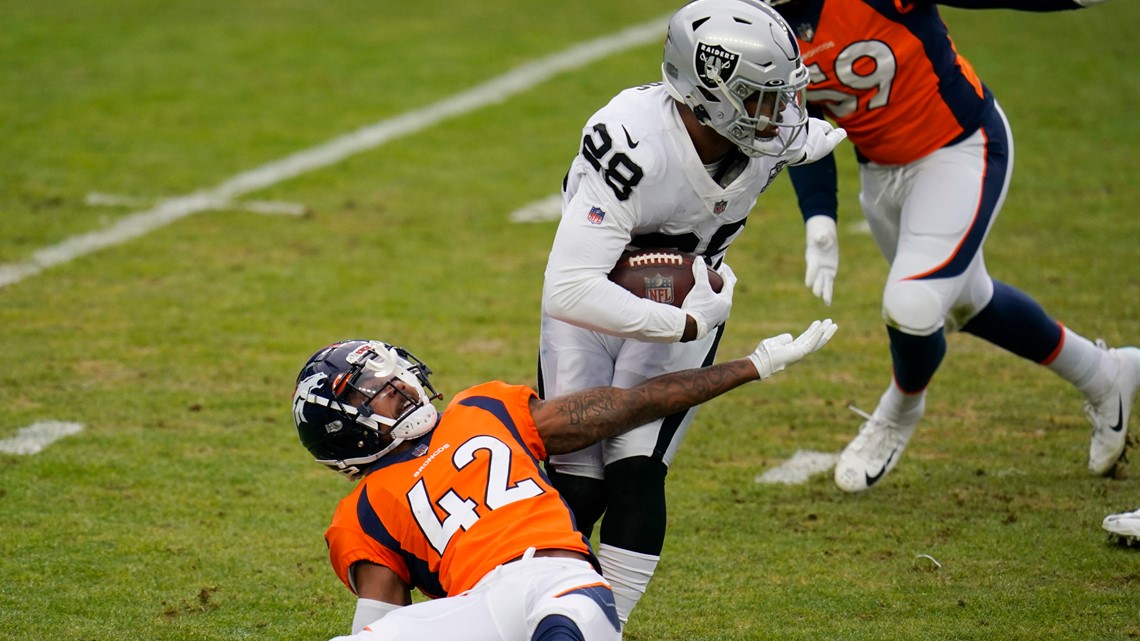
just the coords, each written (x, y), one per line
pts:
(927, 214)
(572, 359)
(506, 605)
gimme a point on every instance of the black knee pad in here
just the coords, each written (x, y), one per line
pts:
(635, 495)
(585, 496)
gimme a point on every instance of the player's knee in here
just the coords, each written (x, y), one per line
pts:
(635, 505)
(912, 307)
(557, 627)
(588, 612)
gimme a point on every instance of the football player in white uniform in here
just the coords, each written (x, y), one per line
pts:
(677, 165)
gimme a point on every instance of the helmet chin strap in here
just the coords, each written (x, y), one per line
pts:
(391, 446)
(419, 422)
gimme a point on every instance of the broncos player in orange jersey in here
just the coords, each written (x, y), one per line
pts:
(935, 155)
(456, 504)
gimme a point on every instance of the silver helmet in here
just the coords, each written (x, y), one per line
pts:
(722, 54)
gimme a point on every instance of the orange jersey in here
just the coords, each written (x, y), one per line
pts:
(888, 73)
(468, 497)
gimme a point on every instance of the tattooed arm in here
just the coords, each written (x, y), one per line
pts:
(571, 422)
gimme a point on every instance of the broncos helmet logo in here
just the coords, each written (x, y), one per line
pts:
(303, 392)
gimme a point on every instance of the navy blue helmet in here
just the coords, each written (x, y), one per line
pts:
(331, 403)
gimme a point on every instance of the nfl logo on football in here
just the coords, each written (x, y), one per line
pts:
(659, 289)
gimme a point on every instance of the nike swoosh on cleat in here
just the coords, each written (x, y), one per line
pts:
(1119, 415)
(871, 480)
(629, 139)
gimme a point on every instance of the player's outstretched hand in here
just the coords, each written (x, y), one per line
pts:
(776, 353)
(822, 137)
(821, 256)
(705, 306)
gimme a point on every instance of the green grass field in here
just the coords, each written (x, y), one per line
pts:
(187, 510)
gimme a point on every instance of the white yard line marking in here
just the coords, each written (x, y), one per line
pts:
(37, 436)
(494, 91)
(549, 208)
(268, 207)
(803, 465)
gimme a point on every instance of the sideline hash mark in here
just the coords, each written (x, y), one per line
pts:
(35, 437)
(803, 465)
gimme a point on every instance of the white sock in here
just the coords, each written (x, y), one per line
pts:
(628, 573)
(898, 406)
(1084, 365)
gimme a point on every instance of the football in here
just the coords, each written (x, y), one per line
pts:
(661, 275)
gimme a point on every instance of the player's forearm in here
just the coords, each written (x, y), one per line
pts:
(591, 415)
(601, 306)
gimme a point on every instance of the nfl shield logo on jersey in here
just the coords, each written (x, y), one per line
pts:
(719, 207)
(596, 215)
(714, 60)
(659, 289)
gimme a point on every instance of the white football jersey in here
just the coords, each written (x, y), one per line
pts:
(638, 182)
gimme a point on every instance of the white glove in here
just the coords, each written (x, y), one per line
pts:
(821, 256)
(822, 137)
(776, 353)
(707, 307)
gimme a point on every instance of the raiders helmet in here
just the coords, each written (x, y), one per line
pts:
(331, 403)
(720, 53)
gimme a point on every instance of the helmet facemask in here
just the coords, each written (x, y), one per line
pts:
(737, 65)
(375, 369)
(780, 106)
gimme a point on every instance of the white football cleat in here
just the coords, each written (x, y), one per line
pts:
(874, 452)
(1123, 528)
(1109, 413)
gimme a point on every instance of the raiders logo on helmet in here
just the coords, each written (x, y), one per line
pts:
(714, 61)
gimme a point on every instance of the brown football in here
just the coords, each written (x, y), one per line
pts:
(661, 275)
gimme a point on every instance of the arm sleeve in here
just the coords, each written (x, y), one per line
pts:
(816, 184)
(369, 611)
(586, 247)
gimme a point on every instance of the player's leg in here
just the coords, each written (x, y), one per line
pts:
(930, 218)
(471, 616)
(1108, 378)
(566, 600)
(533, 599)
(633, 528)
(1012, 320)
(571, 359)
